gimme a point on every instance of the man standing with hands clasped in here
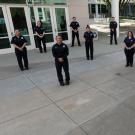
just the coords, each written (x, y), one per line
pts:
(113, 31)
(60, 52)
(19, 43)
(75, 32)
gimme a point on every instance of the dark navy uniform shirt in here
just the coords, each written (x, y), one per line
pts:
(60, 51)
(89, 36)
(18, 41)
(113, 25)
(75, 25)
(129, 42)
(39, 30)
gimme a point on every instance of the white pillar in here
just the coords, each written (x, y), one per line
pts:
(96, 10)
(115, 13)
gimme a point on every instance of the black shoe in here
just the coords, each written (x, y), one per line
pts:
(88, 58)
(67, 83)
(72, 45)
(27, 68)
(22, 69)
(62, 84)
(79, 45)
(45, 51)
(126, 65)
(131, 65)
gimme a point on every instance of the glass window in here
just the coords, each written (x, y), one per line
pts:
(4, 40)
(35, 1)
(93, 8)
(45, 17)
(61, 2)
(19, 21)
(13, 1)
(61, 19)
(33, 20)
(61, 22)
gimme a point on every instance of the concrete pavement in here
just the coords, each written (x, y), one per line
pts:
(99, 101)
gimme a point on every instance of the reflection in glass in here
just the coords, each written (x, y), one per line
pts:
(45, 17)
(61, 22)
(61, 19)
(3, 29)
(49, 38)
(19, 21)
(64, 35)
(33, 20)
(4, 42)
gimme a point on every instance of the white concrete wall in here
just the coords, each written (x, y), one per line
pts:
(79, 9)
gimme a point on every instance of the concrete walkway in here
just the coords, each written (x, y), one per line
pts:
(99, 101)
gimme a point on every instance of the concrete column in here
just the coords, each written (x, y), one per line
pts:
(115, 12)
(79, 9)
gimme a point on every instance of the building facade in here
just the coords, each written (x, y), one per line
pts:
(98, 9)
(55, 15)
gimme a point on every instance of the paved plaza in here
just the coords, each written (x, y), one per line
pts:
(99, 101)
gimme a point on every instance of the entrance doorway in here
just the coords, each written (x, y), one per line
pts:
(12, 18)
(55, 22)
(54, 18)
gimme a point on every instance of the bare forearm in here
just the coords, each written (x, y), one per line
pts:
(15, 46)
(23, 45)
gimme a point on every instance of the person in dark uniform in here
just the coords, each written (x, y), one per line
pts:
(19, 43)
(129, 48)
(89, 35)
(75, 32)
(40, 37)
(113, 31)
(60, 52)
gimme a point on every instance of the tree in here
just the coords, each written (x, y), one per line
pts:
(122, 2)
(122, 5)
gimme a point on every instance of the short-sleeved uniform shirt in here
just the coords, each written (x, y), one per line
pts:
(113, 25)
(89, 36)
(39, 30)
(60, 51)
(18, 41)
(129, 42)
(75, 25)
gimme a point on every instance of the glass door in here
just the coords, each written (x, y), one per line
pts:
(61, 22)
(19, 18)
(55, 21)
(45, 15)
(5, 35)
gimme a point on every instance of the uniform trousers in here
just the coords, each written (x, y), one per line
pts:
(65, 66)
(129, 56)
(75, 34)
(89, 50)
(22, 56)
(39, 41)
(113, 35)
